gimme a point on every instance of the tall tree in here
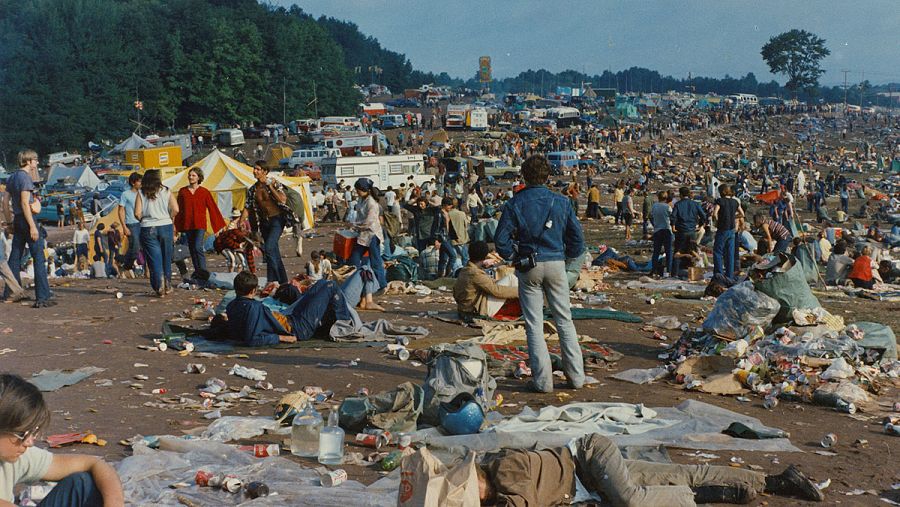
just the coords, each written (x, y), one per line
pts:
(797, 54)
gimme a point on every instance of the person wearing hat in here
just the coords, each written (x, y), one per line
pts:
(367, 223)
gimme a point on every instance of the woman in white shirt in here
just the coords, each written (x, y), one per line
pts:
(367, 223)
(154, 207)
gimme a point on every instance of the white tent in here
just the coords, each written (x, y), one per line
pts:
(81, 176)
(135, 142)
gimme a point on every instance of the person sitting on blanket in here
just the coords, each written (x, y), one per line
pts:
(253, 324)
(592, 466)
(473, 285)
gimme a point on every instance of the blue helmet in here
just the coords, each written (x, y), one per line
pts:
(462, 415)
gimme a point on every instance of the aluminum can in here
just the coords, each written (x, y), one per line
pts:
(829, 440)
(333, 478)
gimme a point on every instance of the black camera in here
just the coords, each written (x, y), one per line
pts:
(525, 260)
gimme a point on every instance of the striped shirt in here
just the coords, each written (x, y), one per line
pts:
(777, 231)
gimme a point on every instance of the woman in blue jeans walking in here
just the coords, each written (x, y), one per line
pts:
(268, 215)
(82, 480)
(154, 207)
(368, 225)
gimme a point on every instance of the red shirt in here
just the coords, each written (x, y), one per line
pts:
(192, 210)
(862, 268)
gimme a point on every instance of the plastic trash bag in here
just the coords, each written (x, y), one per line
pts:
(738, 310)
(791, 291)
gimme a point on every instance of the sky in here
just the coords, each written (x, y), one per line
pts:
(704, 37)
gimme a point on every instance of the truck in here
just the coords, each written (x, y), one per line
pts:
(384, 170)
(230, 137)
(456, 116)
(477, 119)
(492, 167)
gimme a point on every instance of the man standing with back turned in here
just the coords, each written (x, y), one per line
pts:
(538, 232)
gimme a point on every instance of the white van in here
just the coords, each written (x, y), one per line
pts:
(62, 157)
(230, 137)
(314, 155)
(384, 170)
(477, 119)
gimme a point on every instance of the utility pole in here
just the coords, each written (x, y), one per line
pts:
(845, 91)
(862, 89)
(284, 101)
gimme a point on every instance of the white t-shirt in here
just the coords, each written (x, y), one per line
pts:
(30, 467)
(390, 198)
(156, 211)
(81, 237)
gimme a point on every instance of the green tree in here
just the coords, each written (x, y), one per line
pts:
(796, 54)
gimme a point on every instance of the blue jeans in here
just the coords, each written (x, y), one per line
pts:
(20, 239)
(549, 278)
(782, 245)
(134, 243)
(375, 259)
(723, 253)
(447, 258)
(845, 204)
(76, 490)
(271, 233)
(158, 244)
(663, 239)
(319, 306)
(195, 246)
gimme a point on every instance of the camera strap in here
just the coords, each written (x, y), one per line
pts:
(544, 226)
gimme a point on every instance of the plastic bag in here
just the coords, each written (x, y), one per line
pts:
(426, 482)
(840, 368)
(791, 291)
(738, 310)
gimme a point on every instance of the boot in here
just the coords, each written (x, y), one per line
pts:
(792, 482)
(738, 493)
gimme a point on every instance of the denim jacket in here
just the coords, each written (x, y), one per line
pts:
(529, 213)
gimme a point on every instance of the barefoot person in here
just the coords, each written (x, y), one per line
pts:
(81, 480)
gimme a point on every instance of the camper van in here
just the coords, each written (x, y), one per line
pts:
(392, 121)
(229, 137)
(563, 161)
(477, 119)
(456, 116)
(340, 121)
(313, 155)
(384, 170)
(349, 145)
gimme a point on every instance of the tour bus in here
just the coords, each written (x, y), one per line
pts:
(384, 170)
(313, 155)
(392, 121)
(743, 99)
(230, 137)
(564, 116)
(563, 161)
(477, 119)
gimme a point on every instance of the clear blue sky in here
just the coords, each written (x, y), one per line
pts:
(705, 37)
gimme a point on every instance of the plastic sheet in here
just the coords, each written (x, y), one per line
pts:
(147, 475)
(738, 310)
(642, 376)
(231, 428)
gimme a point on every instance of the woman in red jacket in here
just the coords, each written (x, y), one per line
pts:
(194, 202)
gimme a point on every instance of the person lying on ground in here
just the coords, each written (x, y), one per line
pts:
(473, 285)
(82, 480)
(252, 323)
(592, 466)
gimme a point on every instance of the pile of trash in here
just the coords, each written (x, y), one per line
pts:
(769, 336)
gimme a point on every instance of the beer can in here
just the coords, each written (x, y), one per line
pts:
(403, 354)
(845, 407)
(266, 450)
(404, 441)
(373, 441)
(161, 390)
(202, 478)
(402, 340)
(256, 489)
(232, 484)
(829, 440)
(333, 478)
(770, 402)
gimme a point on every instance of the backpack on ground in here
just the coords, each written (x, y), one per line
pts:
(454, 369)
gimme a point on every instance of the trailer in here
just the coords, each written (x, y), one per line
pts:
(384, 170)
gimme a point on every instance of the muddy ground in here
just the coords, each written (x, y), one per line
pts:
(72, 335)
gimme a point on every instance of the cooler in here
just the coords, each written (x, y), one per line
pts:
(343, 244)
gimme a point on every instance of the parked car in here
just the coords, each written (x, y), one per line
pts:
(62, 157)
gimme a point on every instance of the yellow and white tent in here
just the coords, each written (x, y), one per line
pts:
(229, 179)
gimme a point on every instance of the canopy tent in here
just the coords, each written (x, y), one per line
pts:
(135, 142)
(276, 153)
(228, 180)
(440, 137)
(81, 176)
